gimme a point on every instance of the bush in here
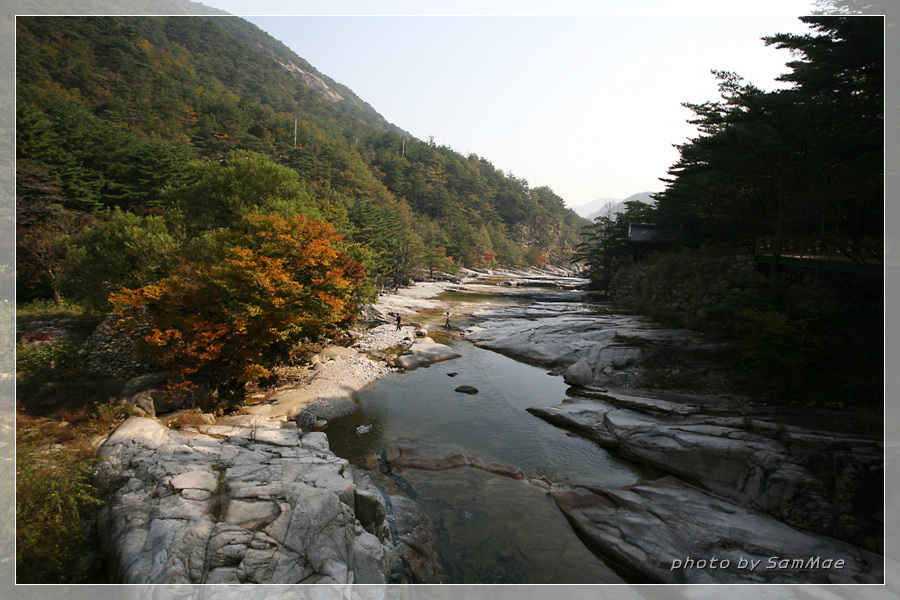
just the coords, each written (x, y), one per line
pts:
(48, 358)
(56, 505)
(275, 281)
(124, 250)
(55, 508)
(773, 343)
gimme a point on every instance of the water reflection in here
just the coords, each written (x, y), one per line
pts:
(491, 529)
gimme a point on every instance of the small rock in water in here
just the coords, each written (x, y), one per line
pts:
(363, 429)
(307, 419)
(319, 425)
(466, 389)
(454, 374)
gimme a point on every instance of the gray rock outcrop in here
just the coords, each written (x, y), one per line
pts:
(819, 481)
(593, 349)
(244, 501)
(652, 532)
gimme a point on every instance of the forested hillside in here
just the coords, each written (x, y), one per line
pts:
(128, 129)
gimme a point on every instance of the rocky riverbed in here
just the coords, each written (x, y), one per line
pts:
(256, 498)
(736, 466)
(230, 501)
(247, 500)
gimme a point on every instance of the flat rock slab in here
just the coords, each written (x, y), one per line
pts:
(434, 459)
(245, 501)
(818, 481)
(559, 334)
(665, 531)
(498, 469)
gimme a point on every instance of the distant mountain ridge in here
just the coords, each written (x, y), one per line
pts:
(595, 208)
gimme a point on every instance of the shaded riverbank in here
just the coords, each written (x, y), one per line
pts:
(767, 464)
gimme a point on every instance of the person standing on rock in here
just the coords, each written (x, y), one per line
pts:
(447, 324)
(398, 322)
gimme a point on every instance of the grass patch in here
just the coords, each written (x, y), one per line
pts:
(75, 317)
(56, 505)
(62, 413)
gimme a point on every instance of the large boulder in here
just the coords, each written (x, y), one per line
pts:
(423, 352)
(247, 500)
(148, 396)
(427, 349)
(579, 373)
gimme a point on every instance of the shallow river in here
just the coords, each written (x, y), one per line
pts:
(491, 529)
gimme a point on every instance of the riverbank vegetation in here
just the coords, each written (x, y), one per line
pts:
(794, 178)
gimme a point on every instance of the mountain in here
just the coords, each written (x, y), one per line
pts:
(595, 208)
(111, 112)
(343, 97)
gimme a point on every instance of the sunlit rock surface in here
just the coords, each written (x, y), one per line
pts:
(245, 501)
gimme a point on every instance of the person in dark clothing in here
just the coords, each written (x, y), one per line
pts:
(398, 322)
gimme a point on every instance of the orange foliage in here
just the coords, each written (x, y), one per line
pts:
(276, 280)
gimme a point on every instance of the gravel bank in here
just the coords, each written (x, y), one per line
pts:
(384, 337)
(329, 392)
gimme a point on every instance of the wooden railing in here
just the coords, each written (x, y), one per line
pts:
(862, 251)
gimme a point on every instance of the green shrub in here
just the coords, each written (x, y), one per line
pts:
(48, 358)
(772, 343)
(55, 510)
(56, 504)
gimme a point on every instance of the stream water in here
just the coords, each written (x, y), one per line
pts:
(490, 529)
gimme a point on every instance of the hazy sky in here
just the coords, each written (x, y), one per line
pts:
(584, 97)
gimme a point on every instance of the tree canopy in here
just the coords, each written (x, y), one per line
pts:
(800, 163)
(805, 161)
(273, 281)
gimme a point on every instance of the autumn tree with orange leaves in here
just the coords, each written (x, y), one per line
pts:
(273, 280)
